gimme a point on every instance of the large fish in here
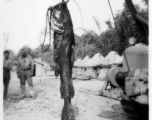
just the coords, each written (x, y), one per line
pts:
(64, 43)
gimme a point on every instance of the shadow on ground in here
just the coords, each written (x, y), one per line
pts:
(118, 113)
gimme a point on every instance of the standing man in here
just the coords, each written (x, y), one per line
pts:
(25, 72)
(6, 72)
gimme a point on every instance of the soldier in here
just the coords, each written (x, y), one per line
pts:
(25, 72)
(6, 72)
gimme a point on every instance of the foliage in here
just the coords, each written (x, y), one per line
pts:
(127, 26)
(108, 22)
(107, 40)
(90, 43)
(97, 23)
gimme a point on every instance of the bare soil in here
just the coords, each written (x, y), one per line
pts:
(88, 105)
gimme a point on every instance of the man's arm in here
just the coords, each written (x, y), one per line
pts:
(10, 64)
(32, 64)
(18, 66)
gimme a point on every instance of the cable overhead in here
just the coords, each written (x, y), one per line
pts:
(114, 20)
(80, 11)
(47, 18)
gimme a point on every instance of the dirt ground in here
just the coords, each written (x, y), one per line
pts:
(88, 105)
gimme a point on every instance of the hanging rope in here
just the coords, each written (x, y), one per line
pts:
(47, 19)
(80, 11)
(114, 19)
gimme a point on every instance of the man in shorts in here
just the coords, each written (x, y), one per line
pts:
(25, 72)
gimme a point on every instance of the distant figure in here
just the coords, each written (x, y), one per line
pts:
(6, 72)
(25, 72)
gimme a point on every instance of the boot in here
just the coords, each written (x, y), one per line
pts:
(32, 93)
(5, 94)
(23, 89)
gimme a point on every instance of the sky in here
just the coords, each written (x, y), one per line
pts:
(24, 20)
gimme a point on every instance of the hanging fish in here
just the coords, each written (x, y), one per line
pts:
(61, 24)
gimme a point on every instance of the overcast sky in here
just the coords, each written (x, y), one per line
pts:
(25, 19)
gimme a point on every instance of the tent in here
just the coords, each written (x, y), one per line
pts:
(93, 61)
(77, 62)
(111, 58)
(90, 72)
(102, 73)
(80, 63)
(85, 60)
(101, 60)
(118, 60)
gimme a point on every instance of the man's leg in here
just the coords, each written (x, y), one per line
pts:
(6, 80)
(23, 82)
(30, 82)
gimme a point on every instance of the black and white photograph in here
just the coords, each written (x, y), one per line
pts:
(75, 60)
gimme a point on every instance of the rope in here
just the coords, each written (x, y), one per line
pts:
(80, 11)
(47, 18)
(114, 19)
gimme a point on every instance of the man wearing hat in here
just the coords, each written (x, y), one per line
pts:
(6, 72)
(25, 72)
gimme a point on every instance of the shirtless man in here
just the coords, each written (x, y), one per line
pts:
(6, 72)
(25, 72)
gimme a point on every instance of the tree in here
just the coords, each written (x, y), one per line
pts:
(97, 23)
(35, 53)
(86, 44)
(108, 22)
(127, 27)
(106, 41)
(90, 43)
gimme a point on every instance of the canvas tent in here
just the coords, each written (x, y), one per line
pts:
(81, 63)
(93, 61)
(118, 60)
(77, 63)
(86, 59)
(97, 59)
(111, 58)
(90, 72)
(102, 73)
(101, 60)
